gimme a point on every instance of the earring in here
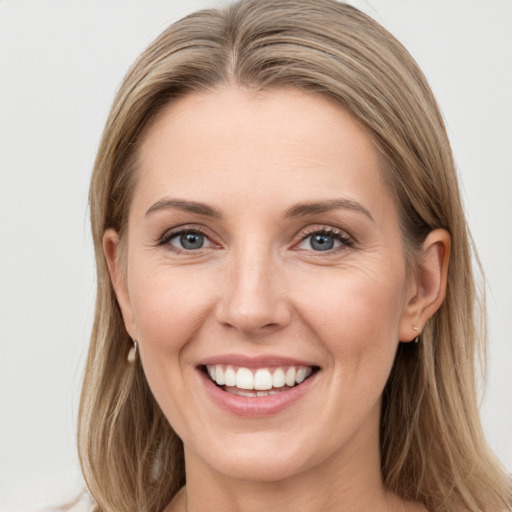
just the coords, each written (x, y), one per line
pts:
(132, 354)
(416, 328)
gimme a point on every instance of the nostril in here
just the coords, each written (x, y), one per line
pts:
(252, 331)
(249, 326)
(252, 303)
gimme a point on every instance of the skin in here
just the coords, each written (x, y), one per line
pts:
(258, 287)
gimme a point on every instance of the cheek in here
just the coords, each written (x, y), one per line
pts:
(356, 315)
(351, 302)
(168, 306)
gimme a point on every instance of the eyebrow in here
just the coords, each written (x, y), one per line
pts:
(186, 206)
(303, 209)
(298, 210)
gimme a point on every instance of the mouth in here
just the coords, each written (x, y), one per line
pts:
(257, 382)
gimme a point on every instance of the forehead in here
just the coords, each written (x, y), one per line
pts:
(211, 145)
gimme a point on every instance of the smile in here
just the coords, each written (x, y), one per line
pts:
(257, 382)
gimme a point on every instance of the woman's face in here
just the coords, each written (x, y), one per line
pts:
(263, 246)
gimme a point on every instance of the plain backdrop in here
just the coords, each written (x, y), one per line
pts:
(60, 65)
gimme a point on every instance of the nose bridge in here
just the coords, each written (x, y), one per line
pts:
(253, 297)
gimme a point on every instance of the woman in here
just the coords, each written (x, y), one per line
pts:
(286, 311)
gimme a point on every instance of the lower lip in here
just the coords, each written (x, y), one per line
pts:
(258, 405)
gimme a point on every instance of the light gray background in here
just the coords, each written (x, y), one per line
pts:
(60, 64)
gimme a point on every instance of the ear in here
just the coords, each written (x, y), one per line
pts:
(117, 268)
(427, 288)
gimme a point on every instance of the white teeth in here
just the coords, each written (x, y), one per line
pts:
(290, 376)
(230, 376)
(244, 379)
(241, 392)
(278, 379)
(219, 375)
(263, 379)
(301, 375)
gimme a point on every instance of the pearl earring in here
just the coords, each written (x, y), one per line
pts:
(416, 328)
(132, 354)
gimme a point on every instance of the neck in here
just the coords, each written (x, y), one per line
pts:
(311, 491)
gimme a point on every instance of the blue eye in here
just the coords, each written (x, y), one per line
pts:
(188, 240)
(321, 241)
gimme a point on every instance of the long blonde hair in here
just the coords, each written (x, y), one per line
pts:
(432, 445)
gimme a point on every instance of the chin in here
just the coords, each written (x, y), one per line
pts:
(258, 466)
(265, 456)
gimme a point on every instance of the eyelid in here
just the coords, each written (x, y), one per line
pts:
(346, 240)
(172, 232)
(179, 230)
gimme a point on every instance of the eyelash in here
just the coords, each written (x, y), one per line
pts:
(169, 235)
(345, 240)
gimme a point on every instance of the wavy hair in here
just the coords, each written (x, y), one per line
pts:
(432, 445)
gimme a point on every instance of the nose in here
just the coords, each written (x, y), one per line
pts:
(253, 298)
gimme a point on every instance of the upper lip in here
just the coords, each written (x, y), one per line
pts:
(254, 362)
